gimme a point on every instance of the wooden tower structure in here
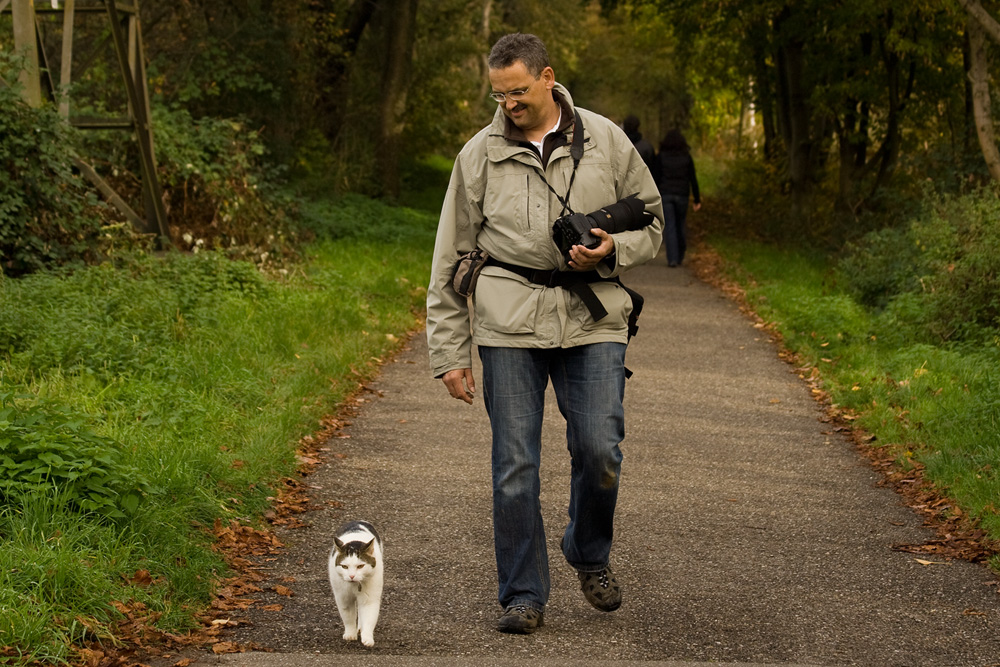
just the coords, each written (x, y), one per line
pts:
(126, 39)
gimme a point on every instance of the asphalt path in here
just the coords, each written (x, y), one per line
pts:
(748, 532)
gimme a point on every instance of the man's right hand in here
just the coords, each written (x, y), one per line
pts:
(461, 384)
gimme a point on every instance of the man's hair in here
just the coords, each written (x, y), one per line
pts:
(519, 47)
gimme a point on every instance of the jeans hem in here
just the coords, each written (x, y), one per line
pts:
(526, 603)
(588, 569)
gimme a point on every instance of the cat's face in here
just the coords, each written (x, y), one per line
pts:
(354, 561)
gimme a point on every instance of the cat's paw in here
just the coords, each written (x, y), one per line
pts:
(350, 635)
(368, 640)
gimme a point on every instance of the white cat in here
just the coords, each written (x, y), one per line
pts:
(356, 578)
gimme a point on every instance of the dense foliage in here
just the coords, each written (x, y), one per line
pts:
(46, 449)
(938, 276)
(48, 215)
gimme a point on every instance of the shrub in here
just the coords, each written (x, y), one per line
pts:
(356, 217)
(45, 449)
(942, 268)
(217, 189)
(964, 299)
(107, 321)
(48, 215)
(879, 267)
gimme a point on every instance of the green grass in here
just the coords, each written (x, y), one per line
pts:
(191, 378)
(938, 404)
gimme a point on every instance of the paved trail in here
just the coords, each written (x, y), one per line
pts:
(746, 534)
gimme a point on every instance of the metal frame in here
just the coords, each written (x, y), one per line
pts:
(126, 37)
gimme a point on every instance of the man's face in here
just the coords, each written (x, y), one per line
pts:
(532, 110)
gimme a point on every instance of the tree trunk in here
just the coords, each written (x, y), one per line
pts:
(978, 76)
(402, 21)
(794, 116)
(484, 59)
(853, 153)
(799, 140)
(763, 90)
(333, 73)
(969, 119)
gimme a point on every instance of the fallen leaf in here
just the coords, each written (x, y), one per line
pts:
(91, 658)
(284, 590)
(142, 579)
(273, 607)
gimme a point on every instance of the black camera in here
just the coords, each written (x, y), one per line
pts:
(574, 229)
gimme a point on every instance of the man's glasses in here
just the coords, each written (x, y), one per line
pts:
(515, 95)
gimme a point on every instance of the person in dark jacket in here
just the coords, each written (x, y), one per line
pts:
(646, 150)
(677, 181)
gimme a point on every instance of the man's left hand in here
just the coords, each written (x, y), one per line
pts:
(583, 258)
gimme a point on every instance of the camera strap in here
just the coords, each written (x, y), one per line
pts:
(575, 152)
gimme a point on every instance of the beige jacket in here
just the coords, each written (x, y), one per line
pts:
(497, 200)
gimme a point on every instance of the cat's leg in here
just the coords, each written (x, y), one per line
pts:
(347, 605)
(367, 618)
(369, 604)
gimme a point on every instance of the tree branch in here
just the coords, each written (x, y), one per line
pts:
(989, 25)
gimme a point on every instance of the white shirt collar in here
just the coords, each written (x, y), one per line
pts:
(538, 144)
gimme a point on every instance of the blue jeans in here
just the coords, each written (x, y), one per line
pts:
(675, 227)
(589, 383)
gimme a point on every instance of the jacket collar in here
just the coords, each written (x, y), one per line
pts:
(508, 139)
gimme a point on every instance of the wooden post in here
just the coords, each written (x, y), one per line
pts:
(156, 215)
(26, 44)
(66, 72)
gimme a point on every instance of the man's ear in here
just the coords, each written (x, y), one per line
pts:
(548, 76)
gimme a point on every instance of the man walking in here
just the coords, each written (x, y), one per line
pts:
(541, 315)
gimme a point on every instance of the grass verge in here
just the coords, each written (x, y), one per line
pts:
(142, 403)
(931, 408)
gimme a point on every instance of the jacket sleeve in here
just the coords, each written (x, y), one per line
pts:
(633, 176)
(449, 335)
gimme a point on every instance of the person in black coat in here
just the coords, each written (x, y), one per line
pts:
(677, 181)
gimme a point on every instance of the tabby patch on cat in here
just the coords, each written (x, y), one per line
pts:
(356, 571)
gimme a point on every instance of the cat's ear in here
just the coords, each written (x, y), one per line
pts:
(338, 544)
(369, 548)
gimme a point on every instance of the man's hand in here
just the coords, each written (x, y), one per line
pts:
(460, 384)
(583, 258)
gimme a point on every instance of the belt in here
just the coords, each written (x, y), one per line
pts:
(577, 282)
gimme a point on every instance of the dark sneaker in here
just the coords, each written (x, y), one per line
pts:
(520, 619)
(601, 589)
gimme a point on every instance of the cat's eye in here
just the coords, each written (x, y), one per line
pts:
(344, 566)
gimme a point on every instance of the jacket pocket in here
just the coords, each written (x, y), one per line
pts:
(507, 202)
(614, 299)
(504, 304)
